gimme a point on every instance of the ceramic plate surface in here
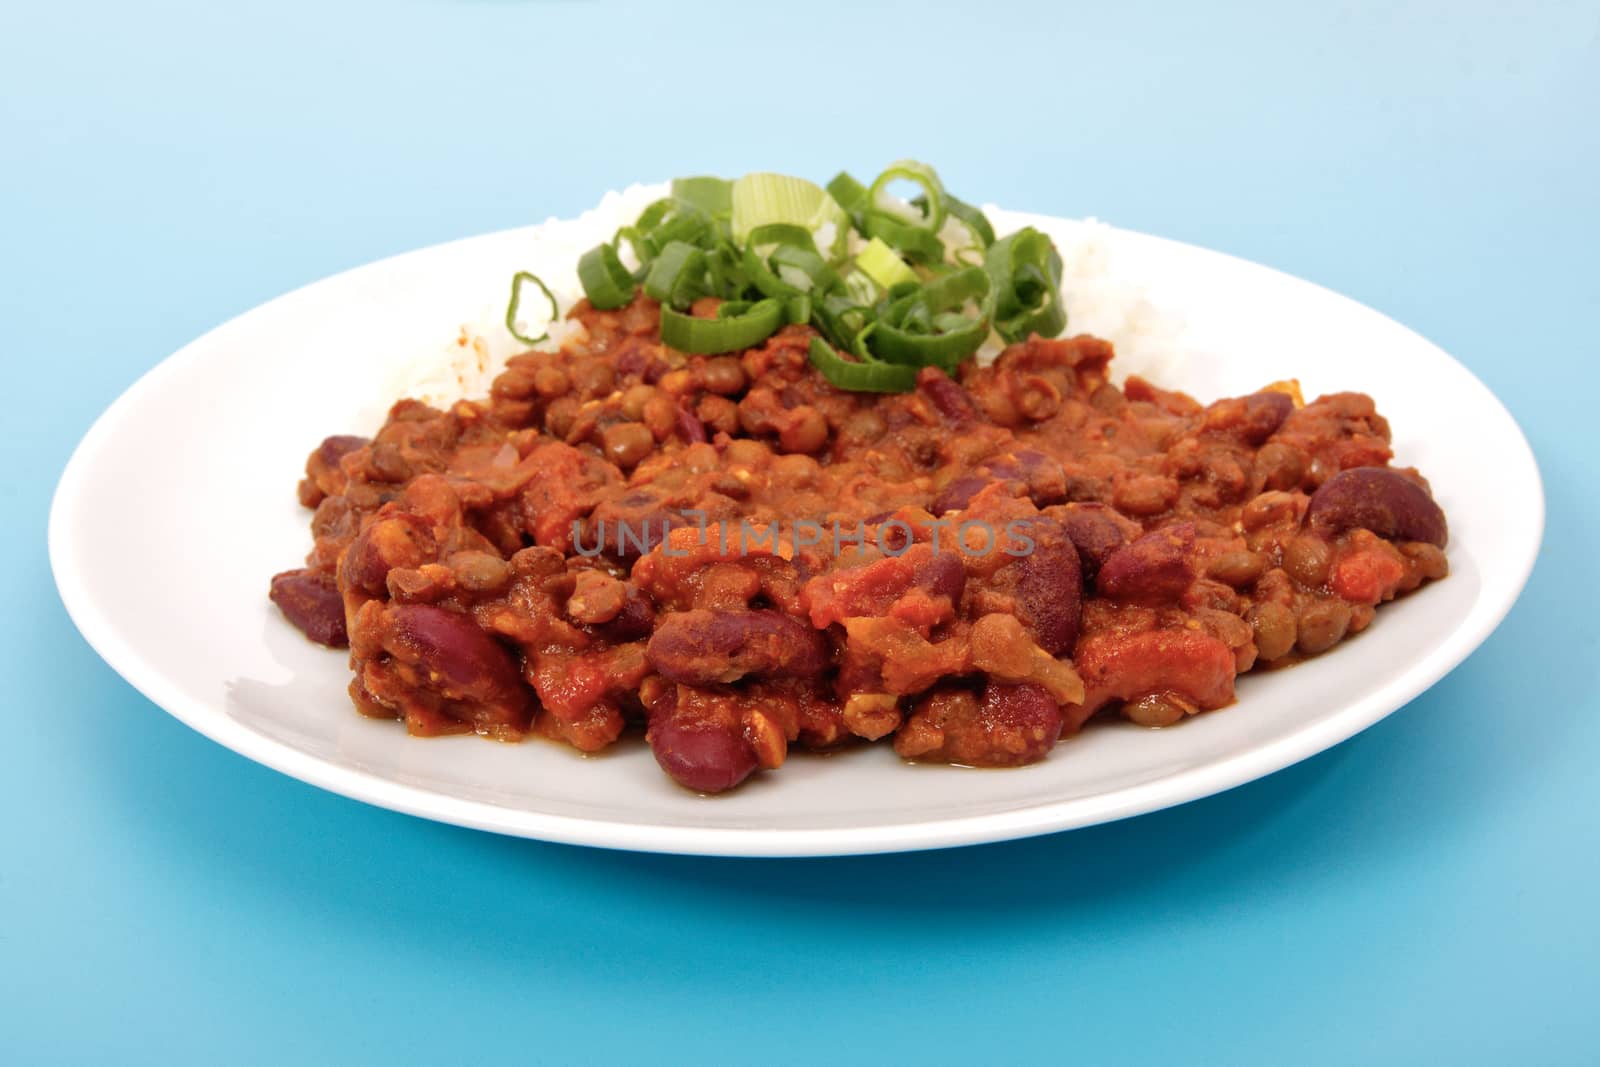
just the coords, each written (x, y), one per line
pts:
(179, 504)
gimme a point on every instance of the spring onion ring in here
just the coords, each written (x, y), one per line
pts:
(677, 275)
(863, 377)
(1025, 272)
(606, 282)
(517, 281)
(739, 324)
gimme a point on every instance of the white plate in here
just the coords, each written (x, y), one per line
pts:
(179, 504)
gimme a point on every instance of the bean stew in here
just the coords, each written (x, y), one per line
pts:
(736, 558)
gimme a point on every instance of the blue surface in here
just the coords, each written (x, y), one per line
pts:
(1423, 892)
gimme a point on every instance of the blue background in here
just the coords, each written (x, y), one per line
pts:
(1425, 890)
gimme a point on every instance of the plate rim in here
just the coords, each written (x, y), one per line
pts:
(1195, 783)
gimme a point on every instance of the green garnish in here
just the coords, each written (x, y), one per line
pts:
(867, 376)
(739, 324)
(516, 304)
(606, 282)
(775, 250)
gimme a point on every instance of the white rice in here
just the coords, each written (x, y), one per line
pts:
(1102, 298)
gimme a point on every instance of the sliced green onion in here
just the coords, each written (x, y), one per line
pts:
(919, 324)
(928, 349)
(956, 288)
(760, 199)
(725, 271)
(850, 195)
(1025, 279)
(662, 222)
(517, 280)
(792, 261)
(976, 222)
(677, 276)
(917, 243)
(861, 288)
(736, 326)
(714, 196)
(841, 318)
(780, 233)
(791, 269)
(767, 281)
(883, 265)
(865, 377)
(643, 251)
(606, 282)
(932, 200)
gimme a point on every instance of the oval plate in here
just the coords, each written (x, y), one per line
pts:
(179, 504)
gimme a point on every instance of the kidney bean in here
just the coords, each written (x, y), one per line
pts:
(1042, 475)
(1097, 531)
(1153, 569)
(1263, 414)
(633, 623)
(1049, 587)
(958, 493)
(1381, 500)
(324, 477)
(1035, 473)
(399, 539)
(942, 575)
(1011, 725)
(703, 647)
(311, 600)
(707, 757)
(333, 449)
(458, 659)
(1027, 718)
(692, 429)
(948, 398)
(631, 361)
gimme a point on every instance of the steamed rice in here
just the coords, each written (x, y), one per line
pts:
(1102, 296)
